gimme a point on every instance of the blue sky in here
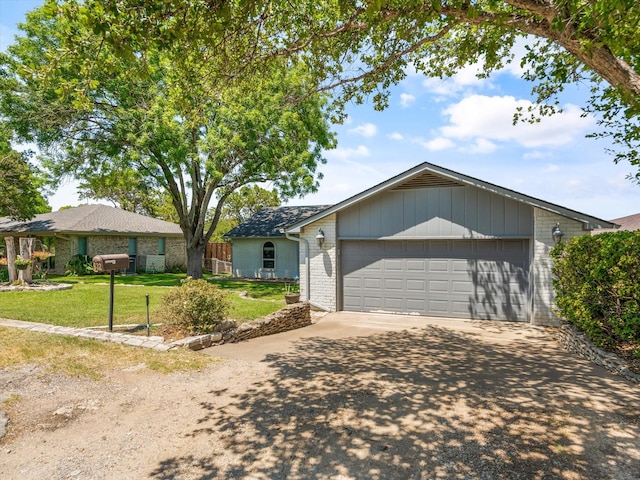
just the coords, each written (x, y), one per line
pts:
(464, 124)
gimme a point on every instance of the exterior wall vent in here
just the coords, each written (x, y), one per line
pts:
(428, 180)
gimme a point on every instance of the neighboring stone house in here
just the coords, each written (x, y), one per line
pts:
(435, 242)
(260, 248)
(152, 244)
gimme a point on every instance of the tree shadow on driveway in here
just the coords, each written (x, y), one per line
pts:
(422, 403)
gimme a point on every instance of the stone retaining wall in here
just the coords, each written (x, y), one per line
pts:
(578, 342)
(289, 318)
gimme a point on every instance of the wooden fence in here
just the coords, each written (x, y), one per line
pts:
(217, 257)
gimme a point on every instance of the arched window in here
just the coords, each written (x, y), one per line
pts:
(268, 255)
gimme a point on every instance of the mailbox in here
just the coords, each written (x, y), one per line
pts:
(109, 263)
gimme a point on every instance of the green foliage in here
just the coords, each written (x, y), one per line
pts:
(20, 182)
(244, 203)
(79, 265)
(196, 306)
(597, 283)
(158, 120)
(361, 48)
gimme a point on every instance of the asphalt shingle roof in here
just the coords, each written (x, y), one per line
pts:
(91, 219)
(268, 221)
(630, 222)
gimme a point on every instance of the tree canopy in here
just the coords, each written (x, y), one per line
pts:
(133, 119)
(361, 48)
(20, 183)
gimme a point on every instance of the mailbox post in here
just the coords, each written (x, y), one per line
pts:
(111, 263)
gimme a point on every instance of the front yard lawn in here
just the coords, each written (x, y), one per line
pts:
(87, 303)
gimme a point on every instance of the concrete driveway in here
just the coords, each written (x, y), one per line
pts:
(386, 396)
(345, 325)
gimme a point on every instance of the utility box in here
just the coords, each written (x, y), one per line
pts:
(109, 263)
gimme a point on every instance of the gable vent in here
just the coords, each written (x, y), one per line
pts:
(428, 180)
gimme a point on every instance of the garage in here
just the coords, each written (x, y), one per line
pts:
(478, 279)
(435, 242)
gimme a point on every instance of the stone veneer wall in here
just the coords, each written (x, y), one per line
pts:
(175, 250)
(578, 342)
(291, 317)
(323, 264)
(543, 294)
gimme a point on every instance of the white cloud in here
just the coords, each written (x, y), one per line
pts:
(491, 118)
(406, 99)
(345, 154)
(396, 136)
(437, 144)
(482, 145)
(464, 79)
(366, 130)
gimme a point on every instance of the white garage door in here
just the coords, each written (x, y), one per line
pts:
(483, 279)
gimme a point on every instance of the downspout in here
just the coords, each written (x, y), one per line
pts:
(306, 261)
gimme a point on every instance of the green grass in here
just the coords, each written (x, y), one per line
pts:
(148, 280)
(87, 303)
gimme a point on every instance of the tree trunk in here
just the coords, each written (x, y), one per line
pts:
(26, 249)
(11, 258)
(195, 255)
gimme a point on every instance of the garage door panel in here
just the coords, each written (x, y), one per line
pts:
(438, 266)
(393, 265)
(416, 286)
(373, 302)
(394, 304)
(413, 265)
(372, 283)
(458, 278)
(394, 284)
(462, 287)
(438, 286)
(438, 307)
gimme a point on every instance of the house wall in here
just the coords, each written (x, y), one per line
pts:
(444, 212)
(543, 294)
(247, 258)
(322, 261)
(175, 251)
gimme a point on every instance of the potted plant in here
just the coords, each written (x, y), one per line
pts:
(22, 263)
(3, 262)
(291, 292)
(40, 256)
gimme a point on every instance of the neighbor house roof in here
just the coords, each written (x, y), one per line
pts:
(430, 175)
(630, 222)
(90, 220)
(269, 221)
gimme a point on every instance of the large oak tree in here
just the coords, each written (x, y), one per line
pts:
(363, 47)
(98, 113)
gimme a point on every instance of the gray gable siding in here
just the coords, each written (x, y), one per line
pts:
(446, 212)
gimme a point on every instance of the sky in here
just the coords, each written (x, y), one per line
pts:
(463, 124)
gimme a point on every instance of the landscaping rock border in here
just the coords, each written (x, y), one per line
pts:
(577, 342)
(35, 287)
(291, 317)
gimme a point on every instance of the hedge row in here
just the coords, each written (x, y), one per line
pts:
(597, 284)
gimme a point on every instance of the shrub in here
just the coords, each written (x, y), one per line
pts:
(79, 265)
(597, 284)
(195, 306)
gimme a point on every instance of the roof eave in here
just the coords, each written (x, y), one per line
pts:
(589, 221)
